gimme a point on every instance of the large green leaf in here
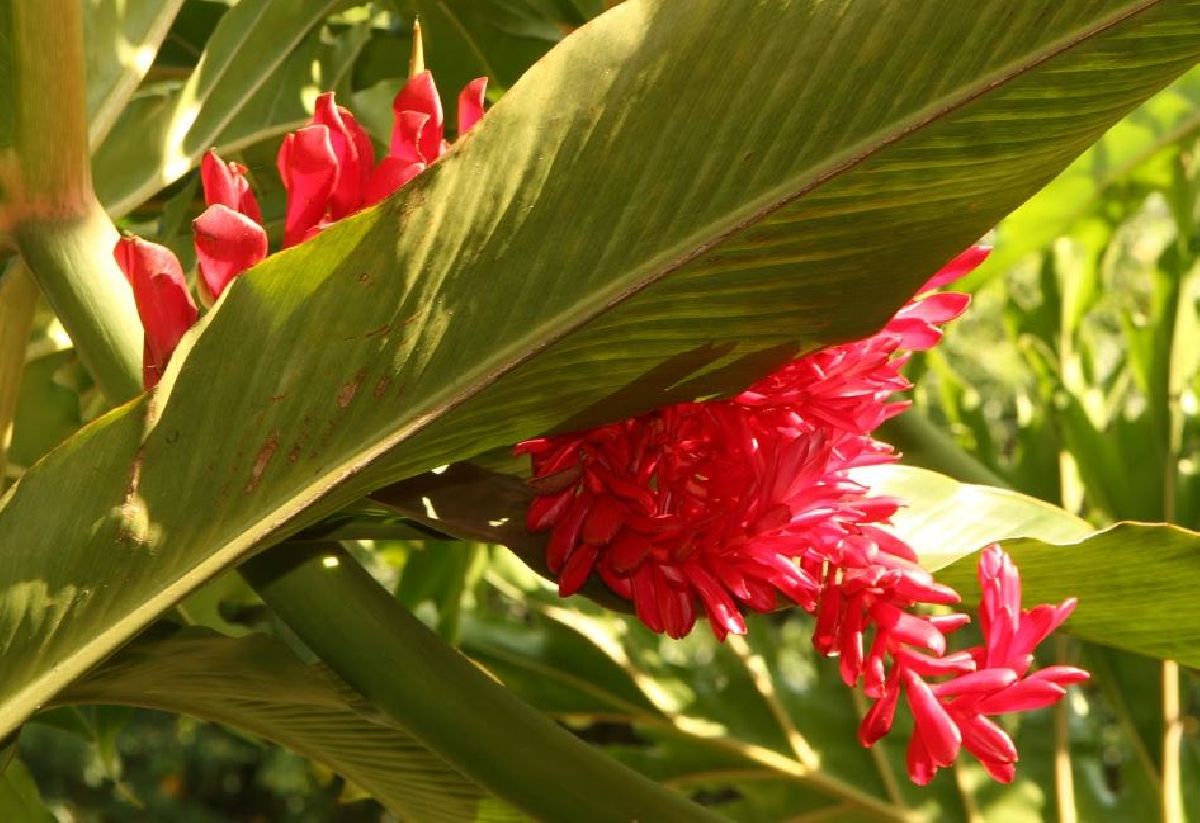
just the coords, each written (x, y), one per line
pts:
(677, 197)
(256, 684)
(945, 520)
(250, 82)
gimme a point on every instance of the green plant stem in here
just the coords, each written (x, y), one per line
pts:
(48, 206)
(72, 261)
(18, 300)
(927, 446)
(343, 614)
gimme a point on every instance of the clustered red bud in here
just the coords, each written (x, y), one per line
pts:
(163, 301)
(328, 169)
(725, 505)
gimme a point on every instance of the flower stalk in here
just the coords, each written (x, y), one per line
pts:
(430, 687)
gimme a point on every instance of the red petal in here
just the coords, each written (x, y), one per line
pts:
(1025, 696)
(309, 170)
(388, 177)
(645, 599)
(878, 720)
(227, 243)
(578, 569)
(603, 521)
(412, 141)
(722, 612)
(960, 266)
(470, 104)
(908, 628)
(565, 535)
(921, 768)
(987, 741)
(628, 551)
(225, 184)
(353, 150)
(545, 510)
(981, 682)
(1061, 675)
(163, 302)
(937, 730)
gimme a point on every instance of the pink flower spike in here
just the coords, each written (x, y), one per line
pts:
(225, 184)
(419, 96)
(227, 243)
(938, 732)
(470, 104)
(162, 298)
(308, 168)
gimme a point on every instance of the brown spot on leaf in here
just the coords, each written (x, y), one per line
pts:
(381, 387)
(260, 463)
(348, 390)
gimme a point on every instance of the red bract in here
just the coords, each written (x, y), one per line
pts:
(163, 302)
(229, 235)
(725, 505)
(328, 169)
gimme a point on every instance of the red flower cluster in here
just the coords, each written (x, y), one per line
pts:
(724, 505)
(328, 169)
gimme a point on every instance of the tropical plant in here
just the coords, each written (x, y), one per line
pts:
(675, 261)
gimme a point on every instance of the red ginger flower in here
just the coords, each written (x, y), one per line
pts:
(162, 298)
(328, 169)
(985, 680)
(725, 505)
(730, 502)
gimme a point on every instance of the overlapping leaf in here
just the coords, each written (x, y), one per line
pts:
(644, 212)
(256, 684)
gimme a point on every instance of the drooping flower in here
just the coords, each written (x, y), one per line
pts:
(992, 679)
(726, 502)
(727, 505)
(163, 302)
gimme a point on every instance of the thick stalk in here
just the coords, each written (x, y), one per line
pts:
(429, 688)
(18, 300)
(46, 199)
(72, 261)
